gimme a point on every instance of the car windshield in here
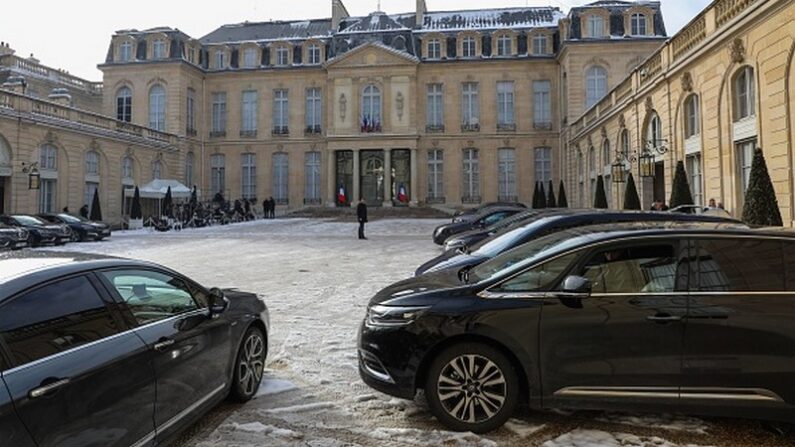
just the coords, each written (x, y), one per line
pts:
(490, 248)
(29, 220)
(71, 219)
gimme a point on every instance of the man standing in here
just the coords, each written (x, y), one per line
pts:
(84, 211)
(361, 214)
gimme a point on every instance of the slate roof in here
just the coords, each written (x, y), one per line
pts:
(264, 31)
(617, 9)
(531, 17)
(373, 23)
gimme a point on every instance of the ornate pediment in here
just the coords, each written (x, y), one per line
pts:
(371, 54)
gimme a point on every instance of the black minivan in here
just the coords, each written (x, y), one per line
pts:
(98, 352)
(696, 319)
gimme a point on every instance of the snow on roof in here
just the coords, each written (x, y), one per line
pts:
(375, 22)
(380, 45)
(492, 19)
(269, 31)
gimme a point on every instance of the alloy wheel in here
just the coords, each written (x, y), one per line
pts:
(252, 363)
(471, 388)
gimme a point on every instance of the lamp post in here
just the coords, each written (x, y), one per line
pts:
(650, 152)
(619, 168)
(34, 178)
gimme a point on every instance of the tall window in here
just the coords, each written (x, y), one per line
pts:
(250, 101)
(744, 94)
(281, 112)
(543, 164)
(218, 173)
(691, 117)
(540, 44)
(471, 173)
(596, 85)
(125, 51)
(435, 107)
(607, 170)
(92, 163)
(371, 108)
(505, 118)
(654, 132)
(745, 155)
(694, 172)
(190, 115)
(157, 107)
(91, 176)
(314, 110)
(435, 175)
(220, 59)
(280, 172)
(507, 174)
(434, 49)
(542, 104)
(470, 106)
(88, 194)
(581, 180)
(47, 189)
(127, 168)
(625, 142)
(282, 57)
(312, 178)
(248, 175)
(468, 47)
(250, 57)
(504, 43)
(313, 54)
(124, 104)
(157, 170)
(638, 22)
(596, 26)
(192, 55)
(189, 162)
(159, 49)
(219, 114)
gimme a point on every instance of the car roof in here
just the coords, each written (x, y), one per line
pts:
(24, 269)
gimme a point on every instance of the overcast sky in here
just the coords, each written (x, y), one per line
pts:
(74, 35)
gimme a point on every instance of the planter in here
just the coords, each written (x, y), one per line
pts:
(135, 224)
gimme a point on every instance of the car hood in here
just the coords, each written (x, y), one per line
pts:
(456, 263)
(421, 290)
(433, 262)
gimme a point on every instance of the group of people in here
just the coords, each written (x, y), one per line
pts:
(659, 205)
(269, 208)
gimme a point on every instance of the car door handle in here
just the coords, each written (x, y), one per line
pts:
(663, 318)
(163, 344)
(46, 389)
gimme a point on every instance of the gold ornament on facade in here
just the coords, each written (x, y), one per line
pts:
(737, 50)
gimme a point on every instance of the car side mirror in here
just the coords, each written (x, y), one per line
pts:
(577, 284)
(218, 302)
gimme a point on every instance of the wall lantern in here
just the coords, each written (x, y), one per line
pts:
(650, 152)
(34, 178)
(619, 168)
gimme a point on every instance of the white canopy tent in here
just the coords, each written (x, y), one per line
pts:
(156, 189)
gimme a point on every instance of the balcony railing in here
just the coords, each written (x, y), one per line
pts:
(248, 134)
(218, 134)
(34, 68)
(543, 126)
(280, 131)
(506, 127)
(434, 128)
(470, 127)
(190, 132)
(726, 10)
(688, 38)
(651, 68)
(470, 200)
(313, 131)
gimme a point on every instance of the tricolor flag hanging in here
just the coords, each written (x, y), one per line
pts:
(341, 198)
(402, 196)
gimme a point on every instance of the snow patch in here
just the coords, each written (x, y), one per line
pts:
(257, 427)
(301, 408)
(270, 387)
(661, 421)
(596, 438)
(523, 429)
(414, 436)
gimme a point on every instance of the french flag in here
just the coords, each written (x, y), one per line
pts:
(402, 196)
(341, 195)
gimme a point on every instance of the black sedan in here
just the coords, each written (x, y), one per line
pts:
(82, 229)
(471, 237)
(469, 214)
(482, 220)
(40, 232)
(12, 238)
(691, 319)
(98, 351)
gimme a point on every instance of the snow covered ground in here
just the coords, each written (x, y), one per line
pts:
(317, 278)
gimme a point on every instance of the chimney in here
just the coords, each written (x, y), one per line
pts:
(16, 84)
(338, 13)
(61, 96)
(421, 10)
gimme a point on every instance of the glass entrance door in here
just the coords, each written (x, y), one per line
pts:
(372, 177)
(343, 195)
(659, 181)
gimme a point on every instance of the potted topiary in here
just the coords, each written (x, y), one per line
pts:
(136, 216)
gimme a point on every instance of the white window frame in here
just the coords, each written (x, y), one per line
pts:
(504, 45)
(543, 164)
(248, 175)
(470, 104)
(434, 49)
(595, 85)
(745, 157)
(159, 50)
(124, 110)
(126, 51)
(281, 109)
(471, 174)
(157, 107)
(282, 56)
(127, 168)
(371, 104)
(435, 106)
(638, 24)
(744, 94)
(540, 44)
(314, 54)
(47, 195)
(469, 47)
(281, 168)
(220, 59)
(506, 174)
(218, 113)
(695, 176)
(218, 173)
(692, 115)
(92, 163)
(157, 170)
(542, 104)
(250, 57)
(596, 26)
(312, 166)
(190, 112)
(436, 174)
(314, 108)
(505, 104)
(249, 103)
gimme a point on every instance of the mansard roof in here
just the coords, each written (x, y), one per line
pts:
(269, 31)
(492, 19)
(375, 22)
(617, 8)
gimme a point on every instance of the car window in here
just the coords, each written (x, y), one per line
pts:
(638, 269)
(494, 218)
(150, 295)
(538, 278)
(54, 318)
(731, 265)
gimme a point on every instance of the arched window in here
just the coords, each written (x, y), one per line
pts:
(124, 104)
(48, 165)
(157, 107)
(625, 143)
(92, 163)
(691, 116)
(468, 47)
(596, 26)
(189, 160)
(595, 85)
(49, 158)
(607, 170)
(606, 156)
(744, 94)
(157, 170)
(127, 168)
(638, 24)
(654, 132)
(371, 109)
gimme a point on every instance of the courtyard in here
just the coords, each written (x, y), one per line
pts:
(316, 278)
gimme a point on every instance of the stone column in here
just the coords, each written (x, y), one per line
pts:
(414, 180)
(387, 177)
(331, 184)
(357, 177)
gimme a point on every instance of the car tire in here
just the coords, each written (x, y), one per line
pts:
(249, 365)
(480, 400)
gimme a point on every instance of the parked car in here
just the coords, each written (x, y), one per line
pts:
(12, 238)
(488, 217)
(696, 209)
(100, 351)
(619, 317)
(468, 238)
(469, 214)
(40, 232)
(82, 228)
(521, 233)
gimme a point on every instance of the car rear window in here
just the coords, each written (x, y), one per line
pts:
(732, 265)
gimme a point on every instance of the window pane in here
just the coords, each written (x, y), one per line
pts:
(538, 278)
(543, 164)
(647, 269)
(739, 266)
(55, 318)
(151, 296)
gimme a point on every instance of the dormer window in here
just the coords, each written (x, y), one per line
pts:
(125, 51)
(504, 43)
(282, 57)
(249, 58)
(159, 49)
(540, 44)
(313, 54)
(468, 47)
(638, 24)
(596, 26)
(192, 55)
(434, 49)
(220, 60)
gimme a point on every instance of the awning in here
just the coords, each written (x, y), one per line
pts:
(157, 189)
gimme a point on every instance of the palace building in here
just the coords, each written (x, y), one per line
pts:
(442, 108)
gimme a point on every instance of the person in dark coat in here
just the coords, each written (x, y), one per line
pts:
(66, 210)
(361, 215)
(272, 207)
(265, 209)
(247, 207)
(84, 211)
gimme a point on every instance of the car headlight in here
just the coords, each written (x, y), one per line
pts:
(453, 244)
(389, 316)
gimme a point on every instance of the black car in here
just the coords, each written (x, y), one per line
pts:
(482, 220)
(620, 317)
(469, 238)
(40, 232)
(469, 214)
(12, 238)
(82, 228)
(550, 222)
(98, 351)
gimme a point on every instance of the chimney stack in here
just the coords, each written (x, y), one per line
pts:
(61, 96)
(16, 84)
(422, 8)
(338, 13)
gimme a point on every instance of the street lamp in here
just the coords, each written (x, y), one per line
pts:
(618, 169)
(650, 152)
(34, 178)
